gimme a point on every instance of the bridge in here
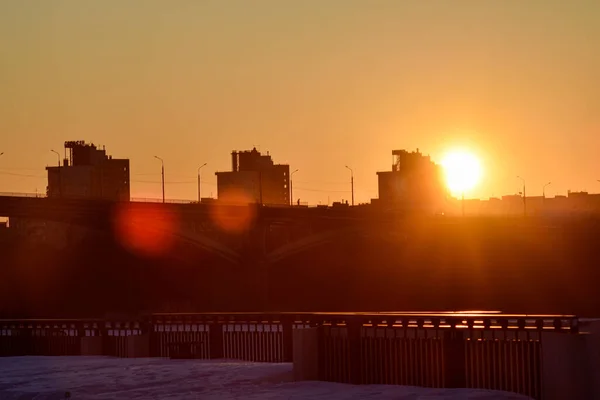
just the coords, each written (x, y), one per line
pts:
(214, 226)
(190, 257)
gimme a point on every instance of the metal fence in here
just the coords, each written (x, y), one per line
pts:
(484, 359)
(437, 350)
(249, 337)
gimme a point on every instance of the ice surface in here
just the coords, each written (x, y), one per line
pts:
(48, 378)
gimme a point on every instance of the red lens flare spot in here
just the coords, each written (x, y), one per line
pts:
(235, 212)
(145, 229)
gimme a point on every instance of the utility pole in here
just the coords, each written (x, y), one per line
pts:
(544, 190)
(524, 197)
(292, 188)
(59, 174)
(351, 182)
(199, 194)
(260, 188)
(162, 162)
(544, 193)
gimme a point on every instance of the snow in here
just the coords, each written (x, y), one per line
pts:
(48, 378)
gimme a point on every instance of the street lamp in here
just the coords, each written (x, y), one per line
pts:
(292, 188)
(162, 162)
(199, 196)
(544, 194)
(351, 182)
(57, 155)
(544, 189)
(524, 197)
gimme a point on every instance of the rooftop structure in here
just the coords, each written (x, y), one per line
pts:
(88, 172)
(254, 178)
(415, 182)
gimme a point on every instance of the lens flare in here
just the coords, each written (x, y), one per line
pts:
(145, 229)
(234, 213)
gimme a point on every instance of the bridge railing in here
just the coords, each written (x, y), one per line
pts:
(15, 194)
(153, 200)
(436, 350)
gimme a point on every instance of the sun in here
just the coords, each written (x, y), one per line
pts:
(462, 171)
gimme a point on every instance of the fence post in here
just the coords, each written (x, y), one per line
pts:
(455, 372)
(565, 369)
(288, 340)
(355, 345)
(147, 328)
(307, 354)
(215, 340)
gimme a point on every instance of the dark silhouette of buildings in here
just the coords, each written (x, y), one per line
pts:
(254, 178)
(415, 182)
(574, 204)
(88, 172)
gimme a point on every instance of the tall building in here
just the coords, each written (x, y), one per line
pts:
(254, 178)
(87, 172)
(415, 182)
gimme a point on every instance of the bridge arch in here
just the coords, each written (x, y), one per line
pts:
(329, 236)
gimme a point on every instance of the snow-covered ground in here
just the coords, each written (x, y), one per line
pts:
(116, 378)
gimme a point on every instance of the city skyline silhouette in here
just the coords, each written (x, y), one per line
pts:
(320, 88)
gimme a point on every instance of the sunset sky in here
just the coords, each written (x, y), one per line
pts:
(320, 84)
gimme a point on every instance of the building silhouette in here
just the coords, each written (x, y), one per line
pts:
(415, 182)
(573, 204)
(254, 178)
(88, 172)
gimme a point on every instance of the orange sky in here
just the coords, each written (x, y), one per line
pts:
(319, 84)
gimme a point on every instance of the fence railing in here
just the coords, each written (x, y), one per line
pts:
(159, 200)
(499, 352)
(14, 194)
(508, 360)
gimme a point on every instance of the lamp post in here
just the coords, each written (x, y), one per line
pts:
(57, 155)
(544, 194)
(162, 162)
(199, 194)
(292, 187)
(351, 182)
(59, 177)
(524, 197)
(544, 189)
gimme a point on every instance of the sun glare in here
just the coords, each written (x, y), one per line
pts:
(462, 171)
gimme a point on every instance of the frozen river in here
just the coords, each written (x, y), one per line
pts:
(48, 378)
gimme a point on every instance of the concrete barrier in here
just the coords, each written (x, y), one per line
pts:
(138, 346)
(565, 372)
(306, 354)
(591, 330)
(91, 346)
